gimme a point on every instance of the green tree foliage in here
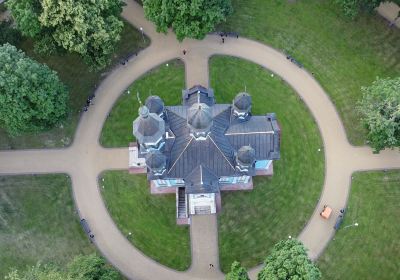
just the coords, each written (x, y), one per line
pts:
(91, 267)
(380, 109)
(32, 97)
(289, 260)
(193, 19)
(351, 8)
(237, 272)
(26, 14)
(8, 34)
(88, 28)
(38, 272)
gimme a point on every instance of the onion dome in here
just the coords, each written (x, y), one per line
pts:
(155, 160)
(242, 105)
(148, 128)
(246, 156)
(242, 101)
(199, 117)
(155, 104)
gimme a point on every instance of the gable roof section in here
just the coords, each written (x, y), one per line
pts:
(201, 180)
(258, 132)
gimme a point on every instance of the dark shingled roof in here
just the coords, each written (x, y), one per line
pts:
(242, 101)
(155, 104)
(156, 160)
(199, 116)
(201, 162)
(201, 180)
(198, 94)
(148, 127)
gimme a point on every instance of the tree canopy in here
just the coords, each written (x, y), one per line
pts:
(90, 267)
(351, 8)
(237, 272)
(192, 19)
(289, 260)
(32, 97)
(380, 109)
(88, 28)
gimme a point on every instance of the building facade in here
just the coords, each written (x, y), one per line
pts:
(200, 148)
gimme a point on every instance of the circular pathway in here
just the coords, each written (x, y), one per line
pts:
(85, 159)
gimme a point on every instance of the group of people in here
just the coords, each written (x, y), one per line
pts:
(126, 60)
(228, 34)
(294, 61)
(89, 102)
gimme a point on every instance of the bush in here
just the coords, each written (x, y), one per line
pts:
(8, 34)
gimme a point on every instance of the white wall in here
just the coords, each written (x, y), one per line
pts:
(202, 199)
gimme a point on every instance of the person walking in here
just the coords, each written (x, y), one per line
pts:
(223, 40)
(184, 52)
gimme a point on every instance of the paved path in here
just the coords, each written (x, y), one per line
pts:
(390, 11)
(86, 159)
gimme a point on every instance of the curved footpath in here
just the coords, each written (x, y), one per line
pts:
(86, 159)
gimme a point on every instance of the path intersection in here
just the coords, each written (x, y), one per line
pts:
(86, 159)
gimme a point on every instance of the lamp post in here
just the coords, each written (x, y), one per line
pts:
(141, 31)
(352, 225)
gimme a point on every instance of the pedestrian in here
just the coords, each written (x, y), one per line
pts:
(223, 40)
(184, 52)
(210, 266)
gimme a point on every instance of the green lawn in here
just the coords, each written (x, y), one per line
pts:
(150, 218)
(81, 83)
(343, 54)
(38, 222)
(279, 205)
(164, 81)
(371, 250)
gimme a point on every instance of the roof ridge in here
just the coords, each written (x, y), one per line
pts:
(177, 159)
(212, 140)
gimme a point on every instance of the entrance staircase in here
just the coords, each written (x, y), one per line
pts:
(181, 207)
(202, 210)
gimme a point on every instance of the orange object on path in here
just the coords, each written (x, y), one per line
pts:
(326, 213)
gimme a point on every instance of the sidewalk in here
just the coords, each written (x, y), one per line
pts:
(390, 11)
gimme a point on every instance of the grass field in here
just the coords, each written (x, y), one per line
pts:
(371, 250)
(38, 222)
(343, 54)
(279, 205)
(164, 81)
(81, 83)
(150, 218)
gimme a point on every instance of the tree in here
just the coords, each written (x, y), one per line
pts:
(91, 267)
(193, 19)
(380, 110)
(88, 28)
(351, 8)
(237, 272)
(289, 260)
(32, 97)
(38, 272)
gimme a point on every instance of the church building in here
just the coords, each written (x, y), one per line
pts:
(200, 148)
